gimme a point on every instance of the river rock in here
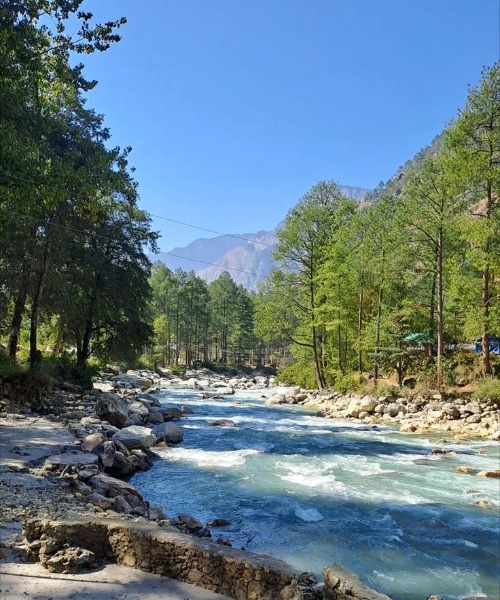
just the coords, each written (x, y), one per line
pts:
(138, 408)
(223, 423)
(169, 433)
(107, 454)
(110, 487)
(489, 473)
(364, 404)
(171, 414)
(340, 584)
(111, 409)
(155, 418)
(276, 399)
(92, 441)
(135, 436)
(451, 410)
(98, 500)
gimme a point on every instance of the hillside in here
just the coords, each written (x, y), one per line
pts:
(248, 262)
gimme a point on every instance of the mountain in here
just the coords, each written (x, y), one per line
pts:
(246, 256)
(393, 187)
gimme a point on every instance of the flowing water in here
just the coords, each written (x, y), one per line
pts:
(315, 491)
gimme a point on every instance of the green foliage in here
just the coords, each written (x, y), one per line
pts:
(8, 365)
(298, 373)
(219, 367)
(65, 368)
(487, 390)
(388, 389)
(349, 382)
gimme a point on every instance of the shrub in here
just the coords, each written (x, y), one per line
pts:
(299, 373)
(8, 365)
(487, 390)
(64, 368)
(388, 389)
(350, 382)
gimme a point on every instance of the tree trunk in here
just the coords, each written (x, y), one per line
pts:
(485, 294)
(360, 325)
(35, 356)
(377, 333)
(440, 310)
(22, 294)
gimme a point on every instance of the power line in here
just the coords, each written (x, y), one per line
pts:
(237, 237)
(107, 237)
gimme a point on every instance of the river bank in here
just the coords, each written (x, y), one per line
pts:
(136, 391)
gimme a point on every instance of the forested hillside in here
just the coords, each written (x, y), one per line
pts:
(391, 286)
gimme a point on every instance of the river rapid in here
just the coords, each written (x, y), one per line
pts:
(314, 491)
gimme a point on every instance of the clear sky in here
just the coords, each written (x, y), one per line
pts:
(235, 108)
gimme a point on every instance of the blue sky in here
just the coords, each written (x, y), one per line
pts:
(235, 108)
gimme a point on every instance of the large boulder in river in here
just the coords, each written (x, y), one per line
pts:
(170, 433)
(110, 408)
(136, 437)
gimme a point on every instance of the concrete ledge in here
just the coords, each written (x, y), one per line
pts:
(166, 551)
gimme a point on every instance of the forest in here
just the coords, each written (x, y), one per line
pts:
(400, 285)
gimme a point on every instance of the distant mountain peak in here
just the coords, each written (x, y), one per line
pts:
(246, 257)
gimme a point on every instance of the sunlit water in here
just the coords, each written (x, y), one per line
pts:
(314, 491)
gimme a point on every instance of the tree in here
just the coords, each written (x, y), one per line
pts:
(303, 240)
(474, 140)
(430, 208)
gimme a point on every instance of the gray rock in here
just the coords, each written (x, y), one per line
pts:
(223, 423)
(92, 441)
(155, 418)
(135, 436)
(138, 408)
(108, 454)
(98, 500)
(451, 410)
(111, 409)
(169, 433)
(171, 414)
(109, 486)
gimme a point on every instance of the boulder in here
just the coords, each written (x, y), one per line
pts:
(138, 408)
(169, 433)
(451, 410)
(495, 473)
(122, 506)
(191, 522)
(223, 423)
(276, 399)
(155, 418)
(111, 409)
(171, 414)
(132, 380)
(340, 583)
(366, 404)
(108, 454)
(136, 436)
(110, 487)
(99, 500)
(92, 441)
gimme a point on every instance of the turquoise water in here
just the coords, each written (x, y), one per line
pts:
(313, 491)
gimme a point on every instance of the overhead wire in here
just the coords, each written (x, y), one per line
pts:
(101, 236)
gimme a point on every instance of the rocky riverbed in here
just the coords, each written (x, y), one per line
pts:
(71, 462)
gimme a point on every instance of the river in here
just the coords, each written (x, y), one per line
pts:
(315, 491)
